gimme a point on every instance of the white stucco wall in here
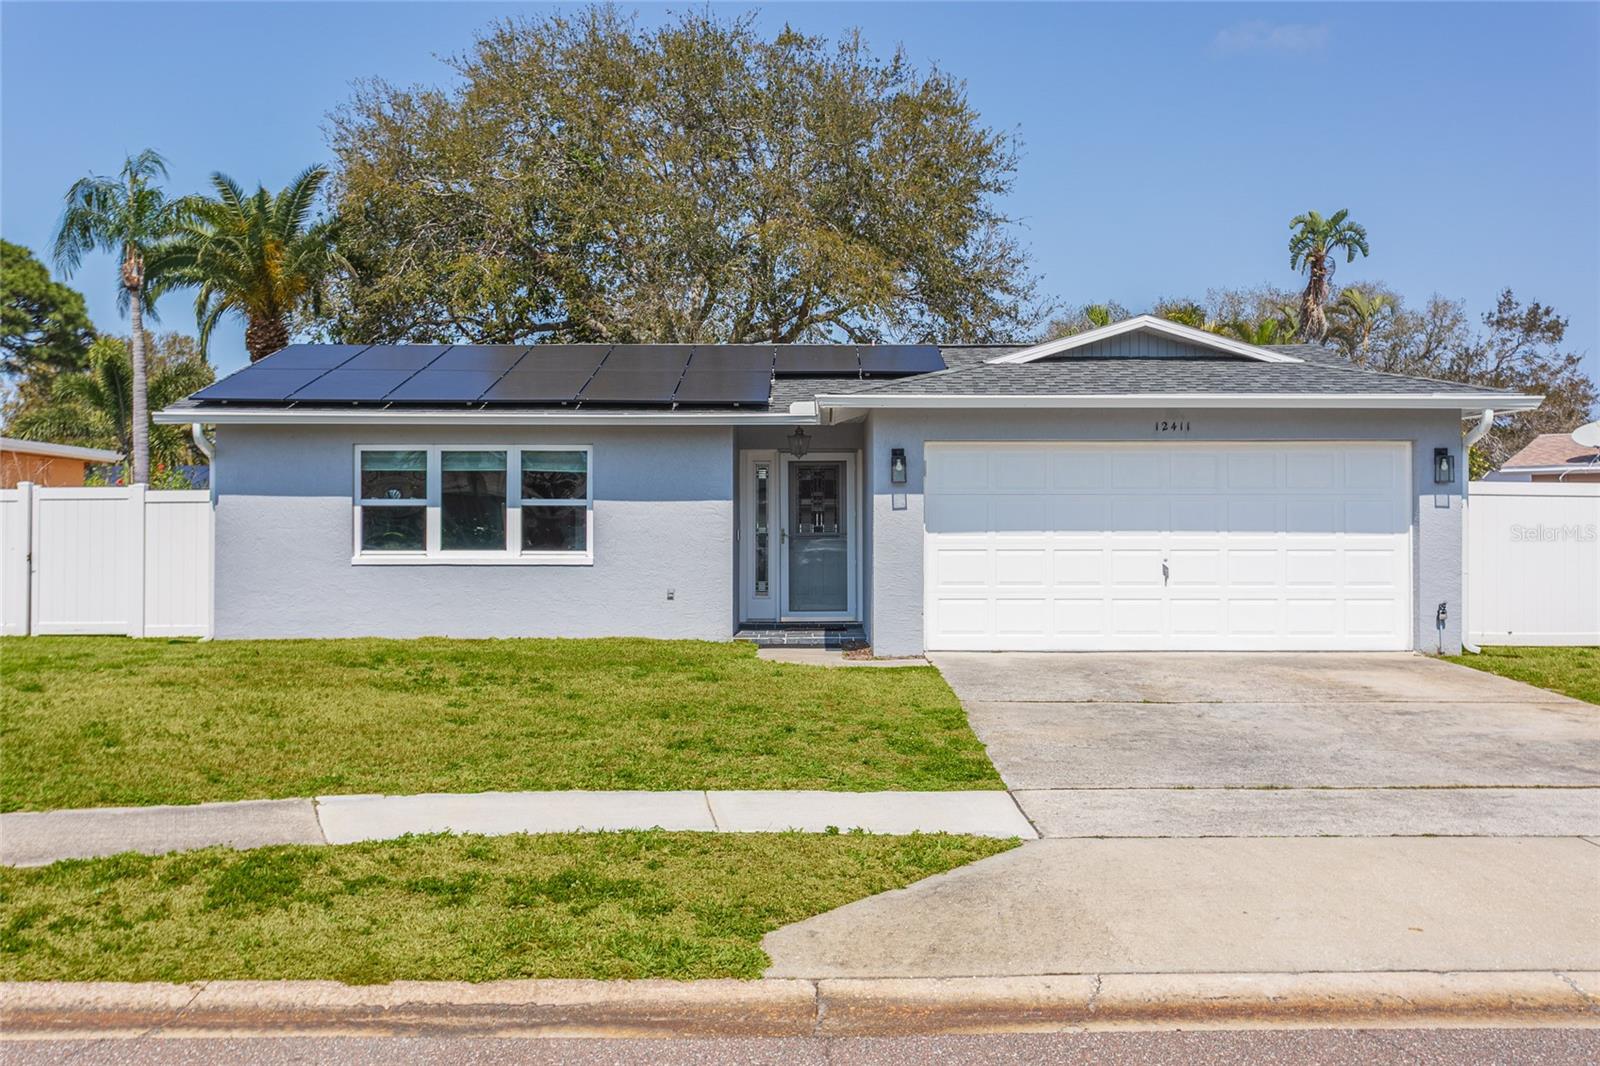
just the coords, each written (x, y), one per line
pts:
(663, 518)
(896, 578)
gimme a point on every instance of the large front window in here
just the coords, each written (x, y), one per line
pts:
(457, 504)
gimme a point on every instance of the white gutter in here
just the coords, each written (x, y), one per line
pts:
(1389, 400)
(59, 451)
(1588, 466)
(1471, 437)
(473, 416)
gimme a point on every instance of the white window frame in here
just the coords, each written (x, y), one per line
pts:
(434, 553)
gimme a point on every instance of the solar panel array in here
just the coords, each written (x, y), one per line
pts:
(655, 375)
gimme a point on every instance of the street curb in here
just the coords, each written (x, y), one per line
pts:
(804, 1008)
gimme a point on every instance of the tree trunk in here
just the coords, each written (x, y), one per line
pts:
(1313, 317)
(140, 430)
(265, 335)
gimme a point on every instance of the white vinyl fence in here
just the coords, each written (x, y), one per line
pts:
(127, 561)
(1533, 563)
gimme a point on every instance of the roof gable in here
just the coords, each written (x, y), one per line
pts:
(1145, 337)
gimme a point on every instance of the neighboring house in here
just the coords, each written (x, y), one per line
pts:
(47, 465)
(1551, 457)
(1140, 486)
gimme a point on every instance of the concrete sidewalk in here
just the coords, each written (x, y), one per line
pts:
(36, 838)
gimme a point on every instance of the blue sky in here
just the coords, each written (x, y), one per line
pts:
(1165, 146)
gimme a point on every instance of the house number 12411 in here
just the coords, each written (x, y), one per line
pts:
(1164, 425)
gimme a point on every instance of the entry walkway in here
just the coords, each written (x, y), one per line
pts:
(37, 838)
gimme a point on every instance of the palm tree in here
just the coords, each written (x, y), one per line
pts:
(1262, 332)
(1312, 248)
(258, 256)
(1356, 315)
(95, 407)
(1098, 315)
(130, 217)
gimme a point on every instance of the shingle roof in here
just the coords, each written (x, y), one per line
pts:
(1079, 376)
(1553, 449)
(1318, 371)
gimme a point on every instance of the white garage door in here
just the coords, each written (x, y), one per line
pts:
(1067, 546)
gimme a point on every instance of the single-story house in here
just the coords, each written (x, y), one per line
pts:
(1139, 486)
(48, 465)
(1552, 457)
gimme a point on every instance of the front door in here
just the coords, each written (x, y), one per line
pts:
(799, 530)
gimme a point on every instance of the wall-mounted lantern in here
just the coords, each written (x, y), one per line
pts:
(897, 466)
(1444, 467)
(799, 442)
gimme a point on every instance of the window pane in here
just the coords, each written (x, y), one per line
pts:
(555, 529)
(555, 475)
(393, 529)
(763, 534)
(394, 475)
(472, 504)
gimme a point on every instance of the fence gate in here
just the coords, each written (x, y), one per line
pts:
(86, 560)
(1533, 562)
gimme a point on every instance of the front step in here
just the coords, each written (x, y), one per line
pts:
(842, 635)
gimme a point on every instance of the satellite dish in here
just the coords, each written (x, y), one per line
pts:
(1588, 436)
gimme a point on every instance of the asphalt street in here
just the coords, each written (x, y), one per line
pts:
(1302, 1047)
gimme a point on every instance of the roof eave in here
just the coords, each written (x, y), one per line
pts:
(798, 414)
(59, 451)
(1464, 402)
(1591, 466)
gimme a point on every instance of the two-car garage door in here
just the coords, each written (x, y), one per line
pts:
(1076, 546)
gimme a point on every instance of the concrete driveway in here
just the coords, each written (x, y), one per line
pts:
(1249, 813)
(1280, 745)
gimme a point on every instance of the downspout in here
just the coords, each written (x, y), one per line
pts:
(198, 431)
(209, 450)
(1473, 436)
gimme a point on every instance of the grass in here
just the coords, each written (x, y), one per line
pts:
(471, 908)
(108, 721)
(1572, 671)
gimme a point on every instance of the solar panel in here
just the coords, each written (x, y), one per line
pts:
(444, 386)
(901, 359)
(563, 357)
(260, 383)
(351, 386)
(802, 360)
(732, 357)
(497, 357)
(631, 386)
(311, 356)
(724, 386)
(537, 386)
(657, 358)
(396, 357)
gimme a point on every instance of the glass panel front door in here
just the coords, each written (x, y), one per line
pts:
(819, 551)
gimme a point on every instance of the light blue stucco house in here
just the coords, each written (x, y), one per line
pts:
(1139, 486)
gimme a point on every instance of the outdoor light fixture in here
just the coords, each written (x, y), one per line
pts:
(799, 443)
(897, 466)
(1444, 467)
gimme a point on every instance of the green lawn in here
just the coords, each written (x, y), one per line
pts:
(602, 905)
(108, 721)
(1573, 671)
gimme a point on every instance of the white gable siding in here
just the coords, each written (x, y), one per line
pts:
(1140, 344)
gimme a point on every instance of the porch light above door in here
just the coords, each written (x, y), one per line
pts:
(799, 442)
